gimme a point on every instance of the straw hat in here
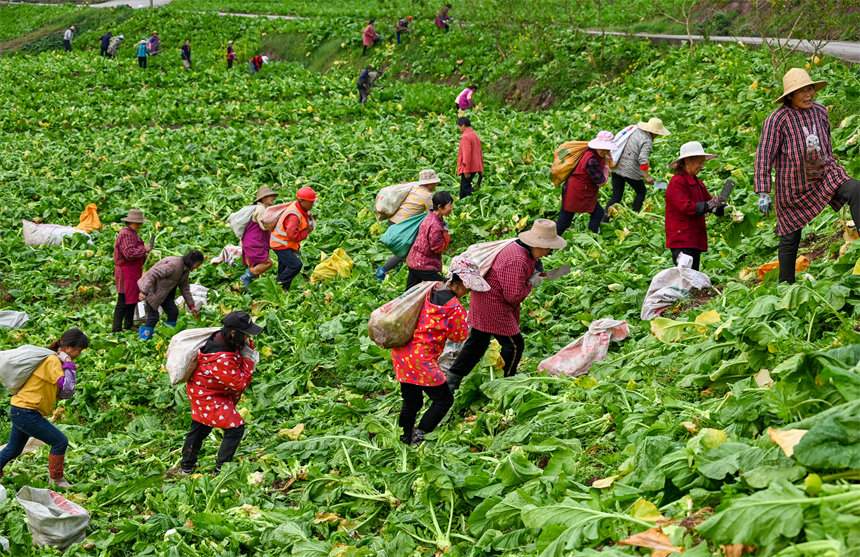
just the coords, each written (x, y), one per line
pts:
(134, 215)
(427, 177)
(797, 78)
(542, 235)
(265, 191)
(603, 141)
(469, 274)
(654, 125)
(691, 149)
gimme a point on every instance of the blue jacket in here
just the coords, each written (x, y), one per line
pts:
(142, 51)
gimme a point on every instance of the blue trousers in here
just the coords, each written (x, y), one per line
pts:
(289, 266)
(28, 423)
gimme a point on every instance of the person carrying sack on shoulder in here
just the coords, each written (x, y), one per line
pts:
(418, 200)
(129, 255)
(223, 372)
(416, 365)
(158, 288)
(425, 257)
(294, 225)
(581, 191)
(255, 240)
(54, 378)
(632, 166)
(496, 313)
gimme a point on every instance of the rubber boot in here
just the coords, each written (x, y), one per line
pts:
(146, 333)
(454, 381)
(247, 278)
(56, 465)
(118, 316)
(417, 437)
(380, 274)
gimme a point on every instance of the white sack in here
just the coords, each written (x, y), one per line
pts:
(50, 234)
(239, 220)
(18, 364)
(484, 254)
(229, 254)
(13, 319)
(182, 352)
(671, 285)
(393, 324)
(52, 519)
(576, 358)
(390, 198)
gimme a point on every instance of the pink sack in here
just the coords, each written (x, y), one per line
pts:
(484, 254)
(576, 358)
(272, 214)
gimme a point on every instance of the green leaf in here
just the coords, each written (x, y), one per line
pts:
(831, 444)
(759, 519)
(516, 469)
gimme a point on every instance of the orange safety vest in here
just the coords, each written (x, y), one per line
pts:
(279, 239)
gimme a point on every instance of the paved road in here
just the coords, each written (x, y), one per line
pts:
(839, 49)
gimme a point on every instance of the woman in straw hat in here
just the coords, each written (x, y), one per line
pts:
(687, 203)
(255, 240)
(795, 141)
(581, 190)
(416, 365)
(418, 200)
(129, 255)
(496, 313)
(632, 165)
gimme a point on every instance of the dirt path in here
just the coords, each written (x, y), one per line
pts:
(844, 50)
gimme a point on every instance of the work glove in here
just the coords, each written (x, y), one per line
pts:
(714, 203)
(311, 224)
(764, 204)
(536, 279)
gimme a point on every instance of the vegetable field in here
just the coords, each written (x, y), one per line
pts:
(684, 439)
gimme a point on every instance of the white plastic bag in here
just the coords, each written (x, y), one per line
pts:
(18, 364)
(199, 294)
(239, 220)
(182, 352)
(229, 254)
(576, 358)
(620, 141)
(671, 285)
(449, 354)
(393, 324)
(52, 519)
(13, 319)
(48, 234)
(390, 198)
(484, 254)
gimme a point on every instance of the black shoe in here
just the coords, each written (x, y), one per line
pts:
(406, 439)
(417, 437)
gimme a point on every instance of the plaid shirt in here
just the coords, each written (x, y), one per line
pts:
(418, 200)
(804, 184)
(432, 240)
(498, 310)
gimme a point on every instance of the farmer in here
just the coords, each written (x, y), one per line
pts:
(370, 36)
(231, 54)
(496, 313)
(364, 84)
(67, 38)
(158, 287)
(632, 166)
(214, 389)
(53, 378)
(294, 225)
(418, 200)
(105, 43)
(795, 141)
(442, 19)
(255, 240)
(425, 256)
(142, 53)
(464, 100)
(470, 157)
(687, 203)
(129, 255)
(416, 365)
(186, 55)
(402, 26)
(256, 63)
(154, 44)
(113, 47)
(581, 190)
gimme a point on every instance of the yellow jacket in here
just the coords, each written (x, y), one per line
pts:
(40, 391)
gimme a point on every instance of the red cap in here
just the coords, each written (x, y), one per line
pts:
(307, 194)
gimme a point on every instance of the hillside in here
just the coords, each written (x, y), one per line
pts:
(670, 430)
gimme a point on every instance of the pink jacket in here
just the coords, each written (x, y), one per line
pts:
(369, 35)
